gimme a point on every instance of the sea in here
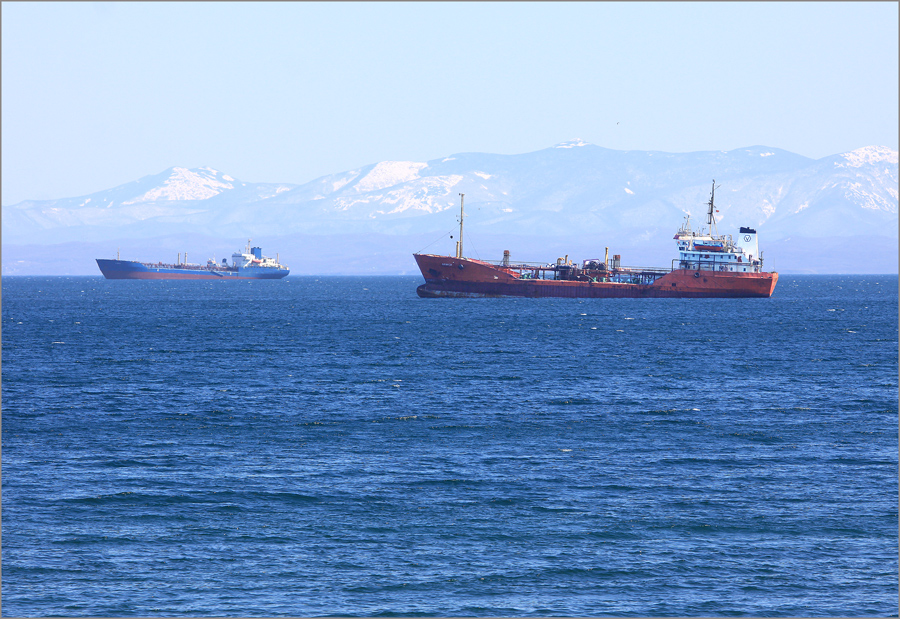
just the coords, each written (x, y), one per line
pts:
(337, 446)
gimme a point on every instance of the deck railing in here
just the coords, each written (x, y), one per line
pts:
(540, 270)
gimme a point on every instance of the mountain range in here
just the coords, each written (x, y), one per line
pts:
(838, 214)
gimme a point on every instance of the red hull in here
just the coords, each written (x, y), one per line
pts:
(462, 277)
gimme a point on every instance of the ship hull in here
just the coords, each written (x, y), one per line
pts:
(127, 269)
(461, 277)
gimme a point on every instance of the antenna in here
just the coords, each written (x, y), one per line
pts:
(462, 214)
(710, 214)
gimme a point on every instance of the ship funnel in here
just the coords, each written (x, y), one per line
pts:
(748, 243)
(462, 215)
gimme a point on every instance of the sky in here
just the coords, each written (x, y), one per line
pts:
(95, 95)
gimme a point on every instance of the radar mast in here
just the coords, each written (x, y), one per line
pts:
(710, 214)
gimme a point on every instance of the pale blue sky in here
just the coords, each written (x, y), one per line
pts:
(99, 94)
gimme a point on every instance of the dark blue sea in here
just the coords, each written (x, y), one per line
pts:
(339, 446)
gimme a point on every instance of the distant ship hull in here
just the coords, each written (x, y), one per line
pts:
(462, 277)
(128, 269)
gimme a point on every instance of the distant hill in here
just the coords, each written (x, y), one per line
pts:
(574, 196)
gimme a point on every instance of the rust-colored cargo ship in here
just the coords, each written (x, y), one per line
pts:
(708, 265)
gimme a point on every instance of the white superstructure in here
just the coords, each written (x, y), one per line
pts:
(252, 258)
(708, 251)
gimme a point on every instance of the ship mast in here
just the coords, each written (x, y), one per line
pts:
(710, 216)
(459, 243)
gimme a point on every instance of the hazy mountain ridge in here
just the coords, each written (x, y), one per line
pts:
(573, 190)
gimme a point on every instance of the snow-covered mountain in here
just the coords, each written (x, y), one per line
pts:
(572, 190)
(175, 198)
